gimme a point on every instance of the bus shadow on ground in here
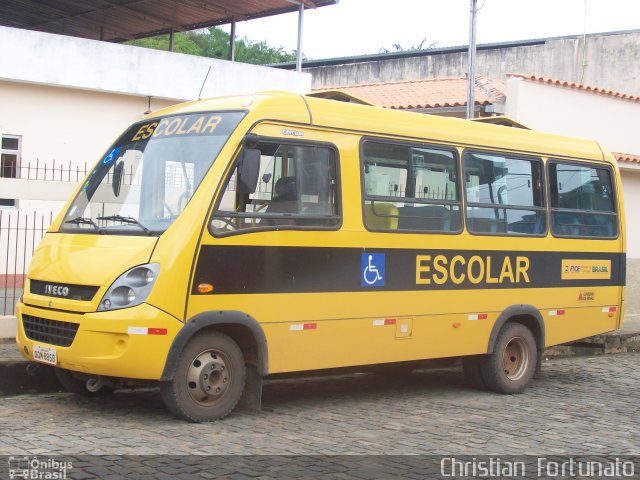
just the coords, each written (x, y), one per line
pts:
(281, 392)
(362, 386)
(435, 384)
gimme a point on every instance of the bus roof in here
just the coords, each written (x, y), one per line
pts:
(370, 120)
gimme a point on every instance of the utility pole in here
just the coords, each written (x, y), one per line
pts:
(471, 75)
(299, 52)
(232, 41)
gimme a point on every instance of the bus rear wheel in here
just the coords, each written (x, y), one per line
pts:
(208, 381)
(512, 364)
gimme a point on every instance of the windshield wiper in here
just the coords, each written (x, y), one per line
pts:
(84, 221)
(129, 220)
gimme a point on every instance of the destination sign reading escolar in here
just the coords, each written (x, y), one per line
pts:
(476, 269)
(178, 126)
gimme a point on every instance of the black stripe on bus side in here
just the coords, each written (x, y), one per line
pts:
(261, 269)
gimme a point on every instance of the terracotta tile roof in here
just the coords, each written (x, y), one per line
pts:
(626, 157)
(422, 93)
(577, 86)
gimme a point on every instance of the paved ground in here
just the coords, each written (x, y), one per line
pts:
(311, 428)
(584, 405)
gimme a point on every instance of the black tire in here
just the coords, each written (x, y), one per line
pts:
(78, 386)
(511, 366)
(209, 379)
(472, 373)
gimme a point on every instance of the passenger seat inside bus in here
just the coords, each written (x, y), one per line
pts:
(566, 224)
(285, 200)
(381, 216)
(429, 218)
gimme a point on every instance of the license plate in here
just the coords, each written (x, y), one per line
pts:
(45, 355)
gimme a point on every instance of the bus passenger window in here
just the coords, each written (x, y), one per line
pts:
(410, 188)
(582, 201)
(297, 189)
(504, 194)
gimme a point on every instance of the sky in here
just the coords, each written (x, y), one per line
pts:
(357, 27)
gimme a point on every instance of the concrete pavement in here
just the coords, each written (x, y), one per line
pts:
(7, 326)
(363, 426)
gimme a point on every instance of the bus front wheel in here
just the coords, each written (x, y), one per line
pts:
(512, 364)
(209, 379)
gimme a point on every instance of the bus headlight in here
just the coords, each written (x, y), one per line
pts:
(131, 288)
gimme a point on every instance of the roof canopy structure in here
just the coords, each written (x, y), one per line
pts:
(120, 20)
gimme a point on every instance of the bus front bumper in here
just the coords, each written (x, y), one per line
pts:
(126, 343)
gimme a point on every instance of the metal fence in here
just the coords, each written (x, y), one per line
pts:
(46, 170)
(51, 171)
(20, 234)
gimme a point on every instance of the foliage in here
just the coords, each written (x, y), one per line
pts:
(214, 42)
(398, 48)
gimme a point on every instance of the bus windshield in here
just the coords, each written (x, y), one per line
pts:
(148, 175)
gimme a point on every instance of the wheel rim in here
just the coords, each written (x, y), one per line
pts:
(209, 377)
(515, 359)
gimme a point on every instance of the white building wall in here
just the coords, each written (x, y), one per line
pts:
(58, 60)
(568, 111)
(64, 124)
(631, 193)
(67, 99)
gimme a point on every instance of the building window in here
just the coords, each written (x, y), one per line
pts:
(9, 163)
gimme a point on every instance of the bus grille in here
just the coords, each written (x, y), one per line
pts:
(52, 332)
(67, 290)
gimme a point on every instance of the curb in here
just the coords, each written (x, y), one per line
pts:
(618, 342)
(19, 376)
(8, 327)
(22, 377)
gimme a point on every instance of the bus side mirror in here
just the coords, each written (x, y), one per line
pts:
(116, 181)
(248, 170)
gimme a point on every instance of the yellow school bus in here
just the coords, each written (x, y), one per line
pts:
(221, 241)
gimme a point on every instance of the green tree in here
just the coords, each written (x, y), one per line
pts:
(420, 46)
(214, 42)
(182, 43)
(260, 53)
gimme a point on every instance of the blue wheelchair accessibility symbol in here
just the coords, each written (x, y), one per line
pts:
(372, 270)
(110, 156)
